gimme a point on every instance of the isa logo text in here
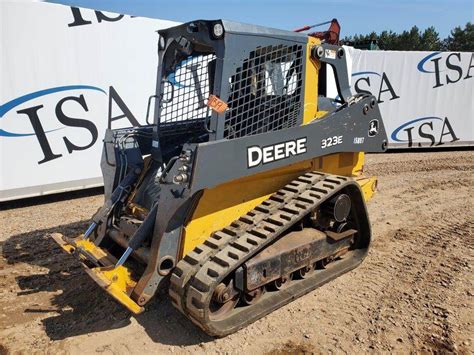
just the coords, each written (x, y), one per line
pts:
(447, 68)
(425, 132)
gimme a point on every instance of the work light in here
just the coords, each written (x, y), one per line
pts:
(218, 30)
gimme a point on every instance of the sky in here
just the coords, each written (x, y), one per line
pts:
(355, 17)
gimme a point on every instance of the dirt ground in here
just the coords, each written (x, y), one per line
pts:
(414, 292)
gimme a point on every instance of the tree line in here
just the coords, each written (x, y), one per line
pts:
(460, 39)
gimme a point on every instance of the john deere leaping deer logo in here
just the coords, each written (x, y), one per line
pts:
(373, 128)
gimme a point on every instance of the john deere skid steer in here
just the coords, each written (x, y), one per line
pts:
(247, 190)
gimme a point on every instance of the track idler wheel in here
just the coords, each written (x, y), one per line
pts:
(223, 301)
(304, 272)
(339, 207)
(254, 296)
(281, 283)
(323, 263)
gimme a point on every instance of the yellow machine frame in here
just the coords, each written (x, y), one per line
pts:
(221, 205)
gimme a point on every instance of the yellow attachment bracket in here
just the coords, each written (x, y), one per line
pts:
(117, 281)
(368, 186)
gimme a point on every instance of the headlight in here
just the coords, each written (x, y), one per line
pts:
(161, 43)
(218, 30)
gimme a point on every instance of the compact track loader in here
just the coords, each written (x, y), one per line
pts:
(247, 190)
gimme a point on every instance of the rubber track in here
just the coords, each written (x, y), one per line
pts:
(195, 277)
(193, 261)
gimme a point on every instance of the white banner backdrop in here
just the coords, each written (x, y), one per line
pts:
(426, 98)
(66, 73)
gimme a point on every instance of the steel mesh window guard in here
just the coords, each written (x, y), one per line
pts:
(265, 92)
(185, 92)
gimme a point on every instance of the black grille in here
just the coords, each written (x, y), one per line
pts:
(265, 92)
(186, 91)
